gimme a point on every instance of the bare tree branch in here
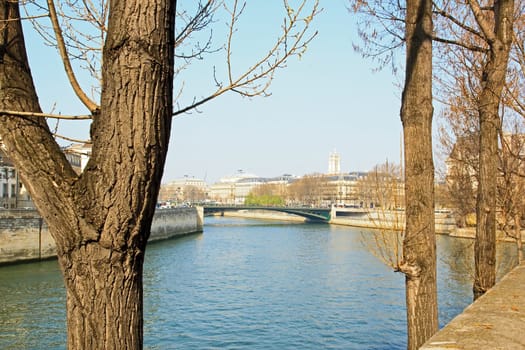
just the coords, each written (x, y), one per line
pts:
(91, 106)
(256, 80)
(485, 27)
(45, 115)
(455, 20)
(200, 21)
(461, 44)
(65, 138)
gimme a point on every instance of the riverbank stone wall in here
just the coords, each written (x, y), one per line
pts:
(24, 235)
(494, 321)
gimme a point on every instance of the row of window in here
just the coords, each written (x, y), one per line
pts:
(7, 173)
(5, 191)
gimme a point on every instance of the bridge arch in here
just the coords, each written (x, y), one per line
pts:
(311, 214)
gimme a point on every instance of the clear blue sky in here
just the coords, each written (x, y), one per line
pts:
(330, 99)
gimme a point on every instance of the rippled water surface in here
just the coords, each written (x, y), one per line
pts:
(247, 284)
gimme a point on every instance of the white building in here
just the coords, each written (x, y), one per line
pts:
(234, 189)
(334, 164)
(12, 193)
(186, 189)
(78, 155)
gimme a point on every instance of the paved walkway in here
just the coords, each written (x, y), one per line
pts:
(496, 321)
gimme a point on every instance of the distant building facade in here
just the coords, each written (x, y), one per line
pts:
(184, 190)
(78, 155)
(234, 189)
(333, 188)
(343, 189)
(13, 194)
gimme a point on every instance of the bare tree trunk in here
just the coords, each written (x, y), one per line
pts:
(517, 234)
(104, 299)
(101, 219)
(493, 81)
(419, 244)
(485, 244)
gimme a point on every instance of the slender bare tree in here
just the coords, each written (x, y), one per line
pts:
(419, 244)
(483, 33)
(387, 26)
(496, 27)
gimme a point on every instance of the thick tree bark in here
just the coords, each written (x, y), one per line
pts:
(101, 219)
(104, 299)
(419, 244)
(493, 81)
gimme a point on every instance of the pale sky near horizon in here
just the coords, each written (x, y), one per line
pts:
(328, 100)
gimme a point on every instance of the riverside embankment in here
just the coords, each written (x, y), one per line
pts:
(494, 321)
(24, 236)
(373, 219)
(387, 220)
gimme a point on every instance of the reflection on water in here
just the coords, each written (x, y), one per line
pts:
(247, 284)
(32, 314)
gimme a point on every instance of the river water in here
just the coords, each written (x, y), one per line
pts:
(249, 284)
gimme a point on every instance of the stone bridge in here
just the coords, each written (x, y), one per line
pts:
(311, 214)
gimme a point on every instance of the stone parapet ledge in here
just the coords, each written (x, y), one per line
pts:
(494, 321)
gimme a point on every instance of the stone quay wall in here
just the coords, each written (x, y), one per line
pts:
(494, 321)
(382, 220)
(24, 235)
(392, 220)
